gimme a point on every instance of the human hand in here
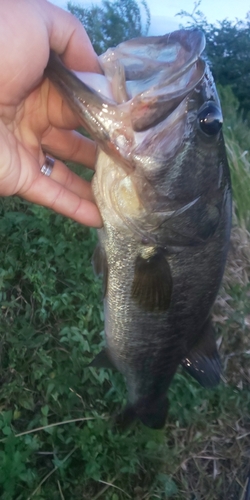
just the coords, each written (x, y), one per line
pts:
(33, 117)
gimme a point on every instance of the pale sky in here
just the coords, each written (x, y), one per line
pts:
(163, 12)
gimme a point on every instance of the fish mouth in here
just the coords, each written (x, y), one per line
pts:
(159, 72)
(152, 107)
(153, 61)
(148, 78)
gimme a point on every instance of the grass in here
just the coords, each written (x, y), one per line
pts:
(56, 438)
(240, 174)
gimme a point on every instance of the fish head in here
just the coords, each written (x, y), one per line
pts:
(153, 107)
(166, 121)
(155, 96)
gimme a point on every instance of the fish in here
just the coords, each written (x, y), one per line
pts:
(162, 185)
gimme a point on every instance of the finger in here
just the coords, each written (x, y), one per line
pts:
(59, 113)
(69, 38)
(65, 177)
(49, 193)
(70, 145)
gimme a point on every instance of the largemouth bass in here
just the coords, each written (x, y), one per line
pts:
(162, 185)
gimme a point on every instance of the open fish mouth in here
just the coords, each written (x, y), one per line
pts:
(158, 73)
(170, 62)
(145, 81)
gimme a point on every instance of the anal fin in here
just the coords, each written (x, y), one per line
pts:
(102, 360)
(203, 361)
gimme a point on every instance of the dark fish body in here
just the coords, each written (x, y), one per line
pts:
(162, 185)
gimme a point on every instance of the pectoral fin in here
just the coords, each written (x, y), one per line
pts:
(102, 360)
(203, 361)
(100, 266)
(152, 284)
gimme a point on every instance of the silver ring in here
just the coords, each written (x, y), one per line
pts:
(48, 165)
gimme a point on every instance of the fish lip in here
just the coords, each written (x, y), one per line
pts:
(176, 54)
(192, 39)
(194, 43)
(187, 47)
(172, 80)
(162, 102)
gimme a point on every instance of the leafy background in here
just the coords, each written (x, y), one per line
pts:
(56, 435)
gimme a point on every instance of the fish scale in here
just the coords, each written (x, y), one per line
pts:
(162, 185)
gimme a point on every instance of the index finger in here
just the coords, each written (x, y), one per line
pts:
(68, 38)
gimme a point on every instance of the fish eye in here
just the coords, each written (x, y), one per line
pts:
(210, 118)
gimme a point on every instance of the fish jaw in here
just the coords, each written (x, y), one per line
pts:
(112, 124)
